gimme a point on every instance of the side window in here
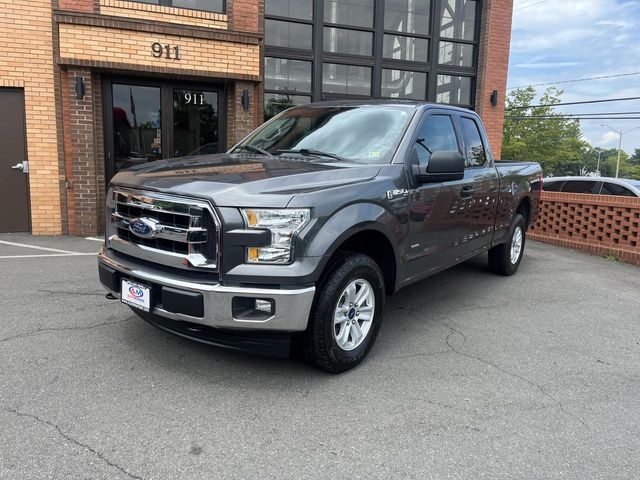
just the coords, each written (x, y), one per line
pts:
(615, 189)
(436, 134)
(552, 186)
(579, 186)
(476, 156)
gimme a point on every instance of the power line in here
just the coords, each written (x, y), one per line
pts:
(557, 117)
(531, 5)
(626, 99)
(586, 79)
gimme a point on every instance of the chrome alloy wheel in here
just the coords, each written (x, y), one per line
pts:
(516, 244)
(354, 314)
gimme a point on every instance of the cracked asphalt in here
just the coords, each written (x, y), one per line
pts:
(473, 376)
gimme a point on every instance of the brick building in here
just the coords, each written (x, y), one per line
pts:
(88, 87)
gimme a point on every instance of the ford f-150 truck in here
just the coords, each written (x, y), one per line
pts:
(295, 236)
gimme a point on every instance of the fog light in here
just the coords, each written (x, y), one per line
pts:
(265, 306)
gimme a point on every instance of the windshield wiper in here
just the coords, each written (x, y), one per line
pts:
(314, 153)
(254, 149)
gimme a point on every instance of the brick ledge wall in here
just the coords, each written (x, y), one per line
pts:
(598, 224)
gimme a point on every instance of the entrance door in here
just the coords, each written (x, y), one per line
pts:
(14, 178)
(147, 121)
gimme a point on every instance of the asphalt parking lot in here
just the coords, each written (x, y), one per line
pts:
(473, 376)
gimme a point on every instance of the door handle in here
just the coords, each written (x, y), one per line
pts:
(466, 192)
(23, 166)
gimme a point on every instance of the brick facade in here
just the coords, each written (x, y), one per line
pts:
(599, 224)
(26, 40)
(493, 61)
(50, 43)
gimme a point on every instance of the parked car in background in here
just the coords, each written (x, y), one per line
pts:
(593, 185)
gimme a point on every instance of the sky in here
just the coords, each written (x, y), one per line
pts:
(556, 40)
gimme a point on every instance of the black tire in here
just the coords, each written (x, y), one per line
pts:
(319, 342)
(500, 256)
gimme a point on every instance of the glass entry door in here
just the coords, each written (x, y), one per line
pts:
(147, 121)
(195, 122)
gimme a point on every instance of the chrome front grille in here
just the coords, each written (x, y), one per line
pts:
(173, 231)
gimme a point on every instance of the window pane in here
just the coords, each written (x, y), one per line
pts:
(288, 34)
(350, 42)
(457, 54)
(346, 79)
(302, 9)
(552, 186)
(208, 5)
(137, 136)
(575, 186)
(476, 156)
(436, 134)
(349, 12)
(615, 189)
(275, 103)
(195, 122)
(458, 19)
(411, 49)
(454, 90)
(284, 74)
(408, 16)
(402, 84)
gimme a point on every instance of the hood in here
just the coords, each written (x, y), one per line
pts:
(232, 180)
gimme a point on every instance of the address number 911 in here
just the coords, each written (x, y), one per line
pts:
(170, 52)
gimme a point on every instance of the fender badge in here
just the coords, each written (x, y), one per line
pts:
(397, 193)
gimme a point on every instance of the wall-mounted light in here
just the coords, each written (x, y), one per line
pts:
(494, 98)
(245, 100)
(79, 88)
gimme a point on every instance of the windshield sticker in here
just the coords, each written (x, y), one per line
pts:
(374, 154)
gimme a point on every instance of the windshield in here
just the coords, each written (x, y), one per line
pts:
(366, 134)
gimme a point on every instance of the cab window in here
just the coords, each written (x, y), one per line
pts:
(475, 153)
(437, 133)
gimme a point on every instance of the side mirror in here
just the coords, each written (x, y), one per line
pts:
(443, 166)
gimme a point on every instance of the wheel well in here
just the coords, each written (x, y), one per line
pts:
(375, 245)
(524, 209)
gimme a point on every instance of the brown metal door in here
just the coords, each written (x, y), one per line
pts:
(14, 169)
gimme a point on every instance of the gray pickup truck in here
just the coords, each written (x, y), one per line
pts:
(295, 236)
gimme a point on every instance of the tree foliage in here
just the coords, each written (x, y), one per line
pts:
(538, 133)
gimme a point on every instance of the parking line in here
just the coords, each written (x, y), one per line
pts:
(41, 248)
(95, 239)
(49, 255)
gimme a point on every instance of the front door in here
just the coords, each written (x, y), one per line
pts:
(434, 240)
(14, 178)
(147, 121)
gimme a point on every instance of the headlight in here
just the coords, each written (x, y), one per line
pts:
(283, 224)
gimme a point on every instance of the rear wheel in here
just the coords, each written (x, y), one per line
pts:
(347, 314)
(505, 259)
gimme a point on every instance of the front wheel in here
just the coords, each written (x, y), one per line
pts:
(347, 314)
(505, 259)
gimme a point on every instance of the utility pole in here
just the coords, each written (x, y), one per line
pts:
(620, 134)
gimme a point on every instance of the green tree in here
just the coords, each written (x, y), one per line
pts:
(635, 158)
(538, 133)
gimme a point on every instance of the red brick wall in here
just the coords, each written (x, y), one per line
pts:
(598, 224)
(241, 122)
(76, 5)
(495, 39)
(80, 154)
(246, 15)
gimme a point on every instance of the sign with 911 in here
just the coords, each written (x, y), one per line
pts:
(135, 295)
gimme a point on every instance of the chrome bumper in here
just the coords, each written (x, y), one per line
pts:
(292, 307)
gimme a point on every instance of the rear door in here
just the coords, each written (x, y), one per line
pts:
(480, 190)
(14, 183)
(434, 241)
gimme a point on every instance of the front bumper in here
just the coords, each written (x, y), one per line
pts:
(180, 298)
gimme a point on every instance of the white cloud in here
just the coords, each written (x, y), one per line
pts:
(572, 39)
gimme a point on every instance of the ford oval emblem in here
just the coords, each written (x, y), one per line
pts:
(142, 227)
